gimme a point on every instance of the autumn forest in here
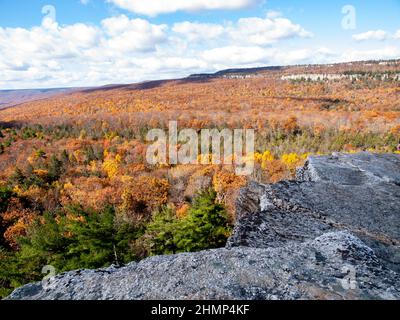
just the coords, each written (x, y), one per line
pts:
(76, 190)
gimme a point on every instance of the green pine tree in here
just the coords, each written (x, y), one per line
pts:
(65, 157)
(160, 232)
(55, 169)
(205, 227)
(5, 196)
(17, 178)
(98, 240)
(68, 240)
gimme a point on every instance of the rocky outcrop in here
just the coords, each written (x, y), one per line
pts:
(316, 269)
(356, 193)
(331, 234)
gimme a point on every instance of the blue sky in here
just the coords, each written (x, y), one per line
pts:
(97, 42)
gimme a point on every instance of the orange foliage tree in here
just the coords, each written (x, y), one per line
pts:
(143, 195)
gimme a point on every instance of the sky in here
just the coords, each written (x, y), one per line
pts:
(73, 43)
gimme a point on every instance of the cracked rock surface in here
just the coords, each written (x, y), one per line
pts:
(331, 234)
(358, 193)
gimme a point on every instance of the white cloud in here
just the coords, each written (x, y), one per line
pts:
(78, 54)
(171, 64)
(124, 50)
(85, 2)
(237, 55)
(371, 35)
(397, 34)
(389, 52)
(46, 42)
(249, 31)
(156, 7)
(252, 56)
(81, 35)
(258, 31)
(133, 35)
(273, 14)
(197, 31)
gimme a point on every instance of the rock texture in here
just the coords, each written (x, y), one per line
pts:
(334, 233)
(357, 193)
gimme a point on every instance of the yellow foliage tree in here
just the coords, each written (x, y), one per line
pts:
(111, 165)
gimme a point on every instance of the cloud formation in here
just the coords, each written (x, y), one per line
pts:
(198, 31)
(124, 35)
(124, 50)
(371, 35)
(259, 31)
(155, 7)
(388, 52)
(55, 55)
(251, 31)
